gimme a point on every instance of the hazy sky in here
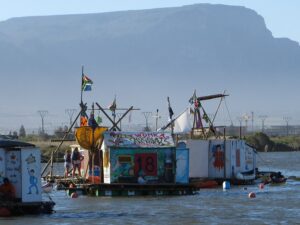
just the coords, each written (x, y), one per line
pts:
(282, 16)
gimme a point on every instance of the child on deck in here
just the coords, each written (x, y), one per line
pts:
(76, 162)
(68, 162)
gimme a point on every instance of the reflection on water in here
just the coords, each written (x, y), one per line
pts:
(272, 205)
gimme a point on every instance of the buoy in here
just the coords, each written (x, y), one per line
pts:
(4, 212)
(261, 186)
(226, 185)
(251, 195)
(74, 195)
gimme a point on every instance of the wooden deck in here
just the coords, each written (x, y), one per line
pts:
(133, 189)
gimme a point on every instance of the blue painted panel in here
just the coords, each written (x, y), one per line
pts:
(182, 165)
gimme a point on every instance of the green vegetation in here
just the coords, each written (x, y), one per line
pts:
(47, 147)
(43, 141)
(262, 142)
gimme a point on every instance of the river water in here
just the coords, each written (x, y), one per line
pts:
(272, 205)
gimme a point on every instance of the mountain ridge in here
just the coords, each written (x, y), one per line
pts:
(156, 52)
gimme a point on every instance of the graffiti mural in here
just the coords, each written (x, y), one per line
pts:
(140, 139)
(145, 164)
(31, 182)
(218, 156)
(128, 164)
(13, 170)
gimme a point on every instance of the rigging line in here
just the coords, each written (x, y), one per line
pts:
(217, 109)
(228, 111)
(264, 161)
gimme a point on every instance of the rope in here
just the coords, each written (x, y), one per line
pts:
(265, 162)
(217, 110)
(228, 111)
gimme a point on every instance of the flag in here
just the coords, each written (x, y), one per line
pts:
(193, 98)
(205, 117)
(182, 123)
(171, 113)
(99, 120)
(86, 84)
(113, 105)
(83, 115)
(83, 121)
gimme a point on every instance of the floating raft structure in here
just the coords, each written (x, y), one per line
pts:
(20, 162)
(9, 208)
(134, 189)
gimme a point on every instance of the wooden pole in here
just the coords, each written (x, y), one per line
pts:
(81, 84)
(108, 117)
(119, 120)
(58, 147)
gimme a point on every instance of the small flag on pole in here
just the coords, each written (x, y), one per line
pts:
(205, 117)
(83, 121)
(171, 113)
(86, 84)
(113, 105)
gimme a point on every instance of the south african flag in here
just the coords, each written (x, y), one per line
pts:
(86, 84)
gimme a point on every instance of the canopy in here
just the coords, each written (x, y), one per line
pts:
(88, 137)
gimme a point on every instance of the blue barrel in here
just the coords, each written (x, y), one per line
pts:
(226, 185)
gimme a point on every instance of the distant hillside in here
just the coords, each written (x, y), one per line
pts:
(154, 52)
(197, 38)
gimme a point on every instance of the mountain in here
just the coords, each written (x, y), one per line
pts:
(143, 56)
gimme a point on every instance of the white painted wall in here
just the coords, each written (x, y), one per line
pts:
(31, 175)
(198, 158)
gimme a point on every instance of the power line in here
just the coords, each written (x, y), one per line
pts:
(70, 113)
(42, 114)
(287, 119)
(147, 115)
(263, 118)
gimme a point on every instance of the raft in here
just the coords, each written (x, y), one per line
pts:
(9, 208)
(130, 189)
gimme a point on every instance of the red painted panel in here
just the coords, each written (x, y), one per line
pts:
(146, 162)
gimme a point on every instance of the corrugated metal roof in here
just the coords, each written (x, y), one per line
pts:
(13, 143)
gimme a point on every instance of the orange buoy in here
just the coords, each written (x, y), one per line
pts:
(251, 195)
(261, 186)
(4, 212)
(74, 195)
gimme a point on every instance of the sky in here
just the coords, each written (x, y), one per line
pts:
(281, 16)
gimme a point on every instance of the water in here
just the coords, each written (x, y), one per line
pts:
(272, 205)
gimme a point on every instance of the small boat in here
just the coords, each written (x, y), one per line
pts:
(245, 176)
(273, 178)
(280, 180)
